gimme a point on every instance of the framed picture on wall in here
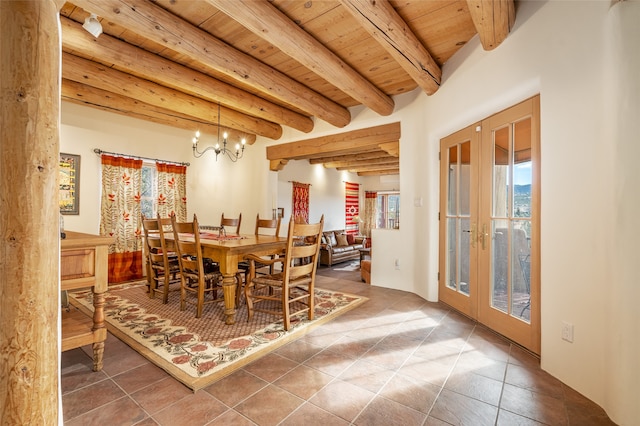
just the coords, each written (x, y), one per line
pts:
(278, 213)
(69, 184)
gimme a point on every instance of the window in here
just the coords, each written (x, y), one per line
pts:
(388, 210)
(149, 195)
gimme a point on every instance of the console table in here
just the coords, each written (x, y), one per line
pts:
(84, 263)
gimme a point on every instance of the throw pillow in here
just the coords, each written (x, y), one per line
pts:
(332, 239)
(351, 239)
(342, 240)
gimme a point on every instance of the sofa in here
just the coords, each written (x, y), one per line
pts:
(339, 247)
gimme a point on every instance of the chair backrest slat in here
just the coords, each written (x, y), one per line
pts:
(303, 246)
(225, 221)
(267, 224)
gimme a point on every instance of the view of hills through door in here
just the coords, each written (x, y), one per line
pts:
(489, 222)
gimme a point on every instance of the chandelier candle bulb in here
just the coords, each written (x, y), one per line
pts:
(233, 156)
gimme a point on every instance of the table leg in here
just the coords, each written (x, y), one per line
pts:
(229, 290)
(99, 330)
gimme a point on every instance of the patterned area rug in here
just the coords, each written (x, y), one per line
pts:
(199, 351)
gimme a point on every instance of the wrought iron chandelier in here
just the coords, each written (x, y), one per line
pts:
(233, 154)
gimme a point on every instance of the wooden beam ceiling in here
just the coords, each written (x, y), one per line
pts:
(127, 58)
(166, 29)
(274, 63)
(268, 22)
(357, 151)
(384, 24)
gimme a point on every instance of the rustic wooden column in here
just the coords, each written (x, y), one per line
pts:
(29, 212)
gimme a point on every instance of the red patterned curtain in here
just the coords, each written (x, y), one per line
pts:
(369, 216)
(300, 202)
(172, 194)
(352, 208)
(120, 216)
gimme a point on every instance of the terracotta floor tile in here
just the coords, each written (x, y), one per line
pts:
(507, 418)
(458, 409)
(271, 367)
(311, 415)
(123, 411)
(269, 406)
(366, 375)
(236, 387)
(351, 346)
(139, 377)
(389, 358)
(474, 362)
(435, 372)
(303, 381)
(382, 411)
(79, 375)
(196, 409)
(475, 386)
(534, 379)
(330, 362)
(412, 392)
(342, 399)
(299, 350)
(159, 395)
(86, 399)
(533, 405)
(230, 418)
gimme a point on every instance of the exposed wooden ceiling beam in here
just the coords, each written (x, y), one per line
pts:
(493, 20)
(373, 155)
(336, 144)
(265, 20)
(354, 164)
(380, 172)
(126, 57)
(93, 74)
(108, 101)
(384, 24)
(369, 168)
(166, 29)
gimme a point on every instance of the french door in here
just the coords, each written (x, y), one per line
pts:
(489, 222)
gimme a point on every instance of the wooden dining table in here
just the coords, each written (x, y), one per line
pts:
(228, 252)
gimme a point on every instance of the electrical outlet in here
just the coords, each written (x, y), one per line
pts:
(397, 263)
(567, 331)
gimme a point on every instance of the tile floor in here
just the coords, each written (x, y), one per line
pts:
(395, 360)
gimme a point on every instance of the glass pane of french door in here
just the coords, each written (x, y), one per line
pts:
(457, 226)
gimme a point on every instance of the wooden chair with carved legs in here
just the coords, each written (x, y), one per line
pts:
(163, 268)
(197, 280)
(290, 292)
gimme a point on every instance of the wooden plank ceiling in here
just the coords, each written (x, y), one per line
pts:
(267, 64)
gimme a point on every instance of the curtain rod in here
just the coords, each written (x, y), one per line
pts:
(295, 181)
(100, 152)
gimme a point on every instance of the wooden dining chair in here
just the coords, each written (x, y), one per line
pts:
(228, 222)
(290, 292)
(263, 227)
(196, 279)
(163, 268)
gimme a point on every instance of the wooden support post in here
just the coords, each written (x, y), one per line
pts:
(29, 246)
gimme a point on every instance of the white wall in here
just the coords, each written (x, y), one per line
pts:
(558, 49)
